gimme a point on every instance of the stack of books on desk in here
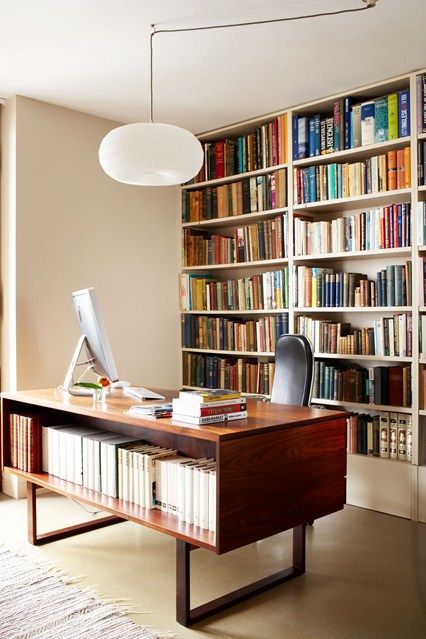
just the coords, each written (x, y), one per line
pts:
(209, 406)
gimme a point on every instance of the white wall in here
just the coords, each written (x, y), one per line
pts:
(76, 227)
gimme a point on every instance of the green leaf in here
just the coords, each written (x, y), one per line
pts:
(87, 385)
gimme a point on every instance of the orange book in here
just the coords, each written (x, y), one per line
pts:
(407, 164)
(400, 169)
(392, 171)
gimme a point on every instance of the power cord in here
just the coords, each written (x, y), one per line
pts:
(86, 510)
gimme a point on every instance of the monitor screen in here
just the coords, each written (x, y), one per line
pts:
(92, 327)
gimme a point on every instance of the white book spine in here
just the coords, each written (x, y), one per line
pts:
(189, 494)
(393, 435)
(112, 466)
(78, 459)
(136, 478)
(212, 500)
(196, 496)
(204, 499)
(69, 448)
(85, 463)
(104, 468)
(62, 466)
(181, 492)
(120, 453)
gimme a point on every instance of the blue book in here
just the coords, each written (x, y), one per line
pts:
(331, 181)
(347, 119)
(311, 139)
(305, 185)
(312, 184)
(302, 135)
(403, 113)
(295, 134)
(317, 126)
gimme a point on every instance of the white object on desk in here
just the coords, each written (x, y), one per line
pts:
(141, 393)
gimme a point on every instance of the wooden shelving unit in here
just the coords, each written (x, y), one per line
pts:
(412, 476)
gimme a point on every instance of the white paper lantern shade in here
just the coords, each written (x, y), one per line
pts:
(150, 154)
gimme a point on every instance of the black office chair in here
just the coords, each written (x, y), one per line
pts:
(294, 365)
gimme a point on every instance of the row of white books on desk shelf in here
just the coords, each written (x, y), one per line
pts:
(122, 466)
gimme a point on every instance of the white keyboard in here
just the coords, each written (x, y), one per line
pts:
(141, 393)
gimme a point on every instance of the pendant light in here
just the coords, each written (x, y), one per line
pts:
(158, 154)
(151, 153)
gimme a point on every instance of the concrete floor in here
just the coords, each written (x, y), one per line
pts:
(366, 574)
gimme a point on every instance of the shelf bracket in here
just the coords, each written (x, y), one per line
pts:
(187, 617)
(62, 533)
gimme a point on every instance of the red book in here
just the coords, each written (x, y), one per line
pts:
(219, 156)
(396, 388)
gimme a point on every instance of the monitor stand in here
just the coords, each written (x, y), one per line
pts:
(69, 377)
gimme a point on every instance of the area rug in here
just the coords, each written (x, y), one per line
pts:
(36, 602)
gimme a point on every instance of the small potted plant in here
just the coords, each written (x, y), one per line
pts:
(100, 389)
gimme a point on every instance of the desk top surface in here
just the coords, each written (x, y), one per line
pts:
(262, 416)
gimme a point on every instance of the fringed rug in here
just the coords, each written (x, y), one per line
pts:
(36, 602)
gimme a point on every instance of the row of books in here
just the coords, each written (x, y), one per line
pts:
(124, 467)
(422, 336)
(221, 333)
(380, 228)
(388, 336)
(212, 371)
(421, 162)
(375, 385)
(265, 240)
(25, 442)
(251, 195)
(351, 125)
(323, 287)
(421, 102)
(261, 148)
(380, 173)
(387, 435)
(209, 407)
(264, 291)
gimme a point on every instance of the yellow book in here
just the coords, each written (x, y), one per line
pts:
(393, 116)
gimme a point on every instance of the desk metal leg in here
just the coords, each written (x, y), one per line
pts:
(187, 617)
(62, 533)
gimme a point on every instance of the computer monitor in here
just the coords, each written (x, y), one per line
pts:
(93, 338)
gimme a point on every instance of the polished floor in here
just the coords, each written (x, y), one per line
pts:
(366, 574)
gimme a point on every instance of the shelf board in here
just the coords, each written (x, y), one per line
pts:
(232, 178)
(214, 267)
(357, 201)
(366, 407)
(422, 360)
(352, 309)
(357, 153)
(421, 136)
(379, 459)
(152, 518)
(234, 220)
(355, 255)
(225, 312)
(422, 412)
(224, 352)
(421, 248)
(422, 309)
(378, 358)
(422, 188)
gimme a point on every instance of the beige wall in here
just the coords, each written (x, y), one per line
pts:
(76, 227)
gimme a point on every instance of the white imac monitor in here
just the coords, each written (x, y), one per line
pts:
(93, 338)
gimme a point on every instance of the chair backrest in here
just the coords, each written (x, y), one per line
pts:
(294, 363)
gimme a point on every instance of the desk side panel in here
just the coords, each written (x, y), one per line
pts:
(273, 482)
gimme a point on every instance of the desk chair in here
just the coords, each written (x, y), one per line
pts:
(294, 365)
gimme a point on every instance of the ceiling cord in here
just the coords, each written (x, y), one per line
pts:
(155, 31)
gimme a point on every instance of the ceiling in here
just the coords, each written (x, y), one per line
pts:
(93, 55)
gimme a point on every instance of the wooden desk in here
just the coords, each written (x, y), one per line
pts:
(279, 469)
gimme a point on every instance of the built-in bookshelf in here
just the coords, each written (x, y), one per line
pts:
(354, 167)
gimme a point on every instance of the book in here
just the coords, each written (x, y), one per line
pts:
(186, 408)
(384, 435)
(381, 130)
(367, 123)
(207, 396)
(404, 128)
(393, 435)
(393, 116)
(210, 419)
